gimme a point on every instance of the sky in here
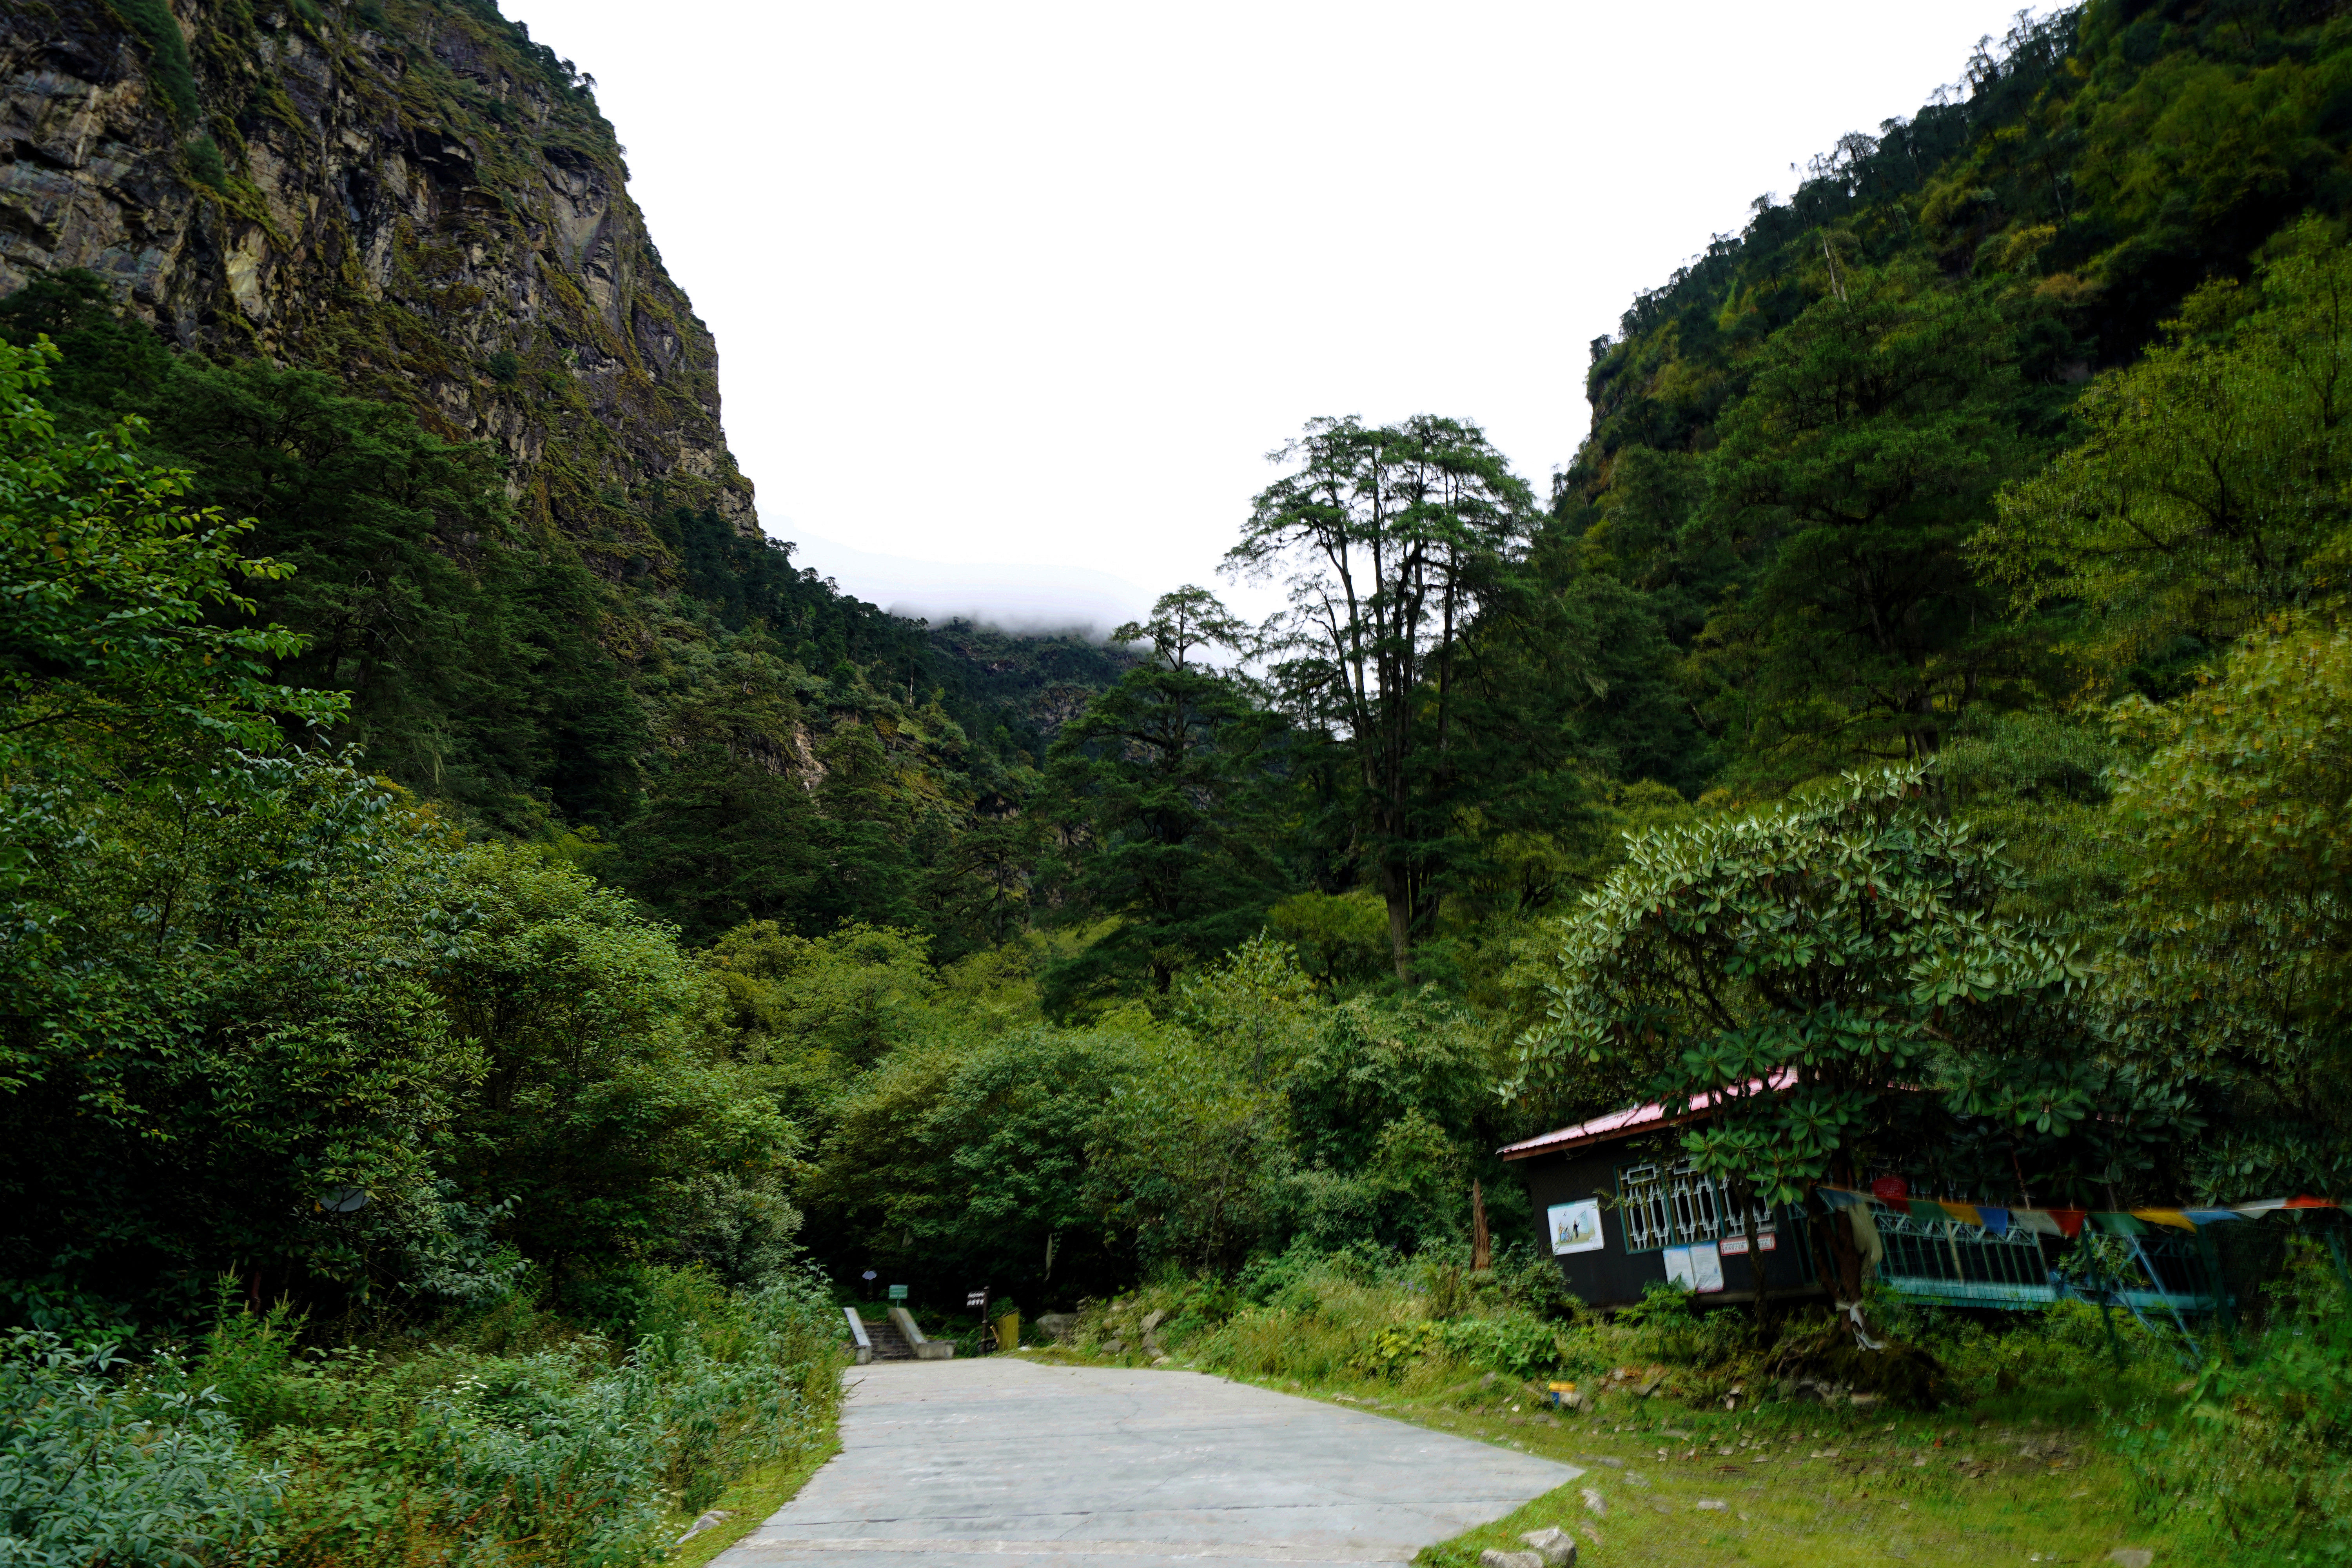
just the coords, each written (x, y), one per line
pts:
(1013, 299)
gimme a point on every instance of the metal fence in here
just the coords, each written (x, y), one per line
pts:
(1950, 1263)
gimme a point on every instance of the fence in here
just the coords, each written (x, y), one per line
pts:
(1948, 1263)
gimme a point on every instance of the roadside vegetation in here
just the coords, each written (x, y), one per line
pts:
(474, 1001)
(1708, 1437)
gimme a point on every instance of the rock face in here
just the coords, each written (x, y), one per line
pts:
(407, 192)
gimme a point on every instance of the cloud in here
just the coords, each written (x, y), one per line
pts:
(1010, 596)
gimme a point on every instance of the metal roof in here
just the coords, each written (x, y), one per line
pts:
(1639, 1119)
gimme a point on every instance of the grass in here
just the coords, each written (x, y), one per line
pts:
(756, 1495)
(1806, 1488)
(1833, 1486)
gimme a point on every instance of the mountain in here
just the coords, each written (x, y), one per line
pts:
(415, 195)
(1797, 436)
(370, 273)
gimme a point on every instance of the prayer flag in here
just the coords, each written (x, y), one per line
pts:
(2038, 1221)
(2117, 1223)
(2173, 1217)
(1965, 1212)
(1992, 1219)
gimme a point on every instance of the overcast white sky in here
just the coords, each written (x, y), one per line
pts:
(1012, 300)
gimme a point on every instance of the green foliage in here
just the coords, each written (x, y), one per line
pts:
(167, 53)
(974, 1163)
(147, 1474)
(608, 1109)
(2207, 493)
(565, 1452)
(1874, 428)
(109, 655)
(1166, 785)
(1851, 943)
(205, 164)
(2234, 940)
(1388, 541)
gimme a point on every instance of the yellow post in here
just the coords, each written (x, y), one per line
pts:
(1008, 1332)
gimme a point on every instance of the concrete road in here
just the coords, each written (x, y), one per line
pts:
(1003, 1461)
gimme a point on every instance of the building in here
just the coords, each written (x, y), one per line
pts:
(1619, 1208)
(1622, 1209)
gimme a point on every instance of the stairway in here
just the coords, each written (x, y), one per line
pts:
(888, 1343)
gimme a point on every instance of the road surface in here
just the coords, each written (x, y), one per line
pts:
(999, 1461)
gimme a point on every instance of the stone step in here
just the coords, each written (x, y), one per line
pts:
(888, 1343)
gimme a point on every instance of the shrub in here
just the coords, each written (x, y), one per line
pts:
(97, 1467)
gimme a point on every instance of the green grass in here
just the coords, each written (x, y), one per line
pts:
(1829, 1490)
(756, 1494)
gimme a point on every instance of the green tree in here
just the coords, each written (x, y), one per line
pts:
(1865, 453)
(2235, 940)
(1849, 944)
(2209, 490)
(1388, 540)
(111, 656)
(613, 1111)
(1166, 778)
(966, 1162)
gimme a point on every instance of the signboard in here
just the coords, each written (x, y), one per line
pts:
(1734, 1244)
(1575, 1227)
(976, 1298)
(1698, 1268)
(897, 1292)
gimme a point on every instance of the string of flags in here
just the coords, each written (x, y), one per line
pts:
(2063, 1222)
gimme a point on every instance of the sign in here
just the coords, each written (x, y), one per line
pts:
(977, 1299)
(1698, 1268)
(897, 1292)
(1734, 1244)
(1575, 1227)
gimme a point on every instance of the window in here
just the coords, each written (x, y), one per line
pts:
(1671, 1204)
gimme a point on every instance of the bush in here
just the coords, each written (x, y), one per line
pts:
(129, 1472)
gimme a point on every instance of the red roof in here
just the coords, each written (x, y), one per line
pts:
(1640, 1119)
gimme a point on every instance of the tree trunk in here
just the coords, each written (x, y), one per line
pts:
(1744, 1196)
(1399, 898)
(1481, 1246)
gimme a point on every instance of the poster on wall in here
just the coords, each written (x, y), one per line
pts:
(1698, 1269)
(1575, 1227)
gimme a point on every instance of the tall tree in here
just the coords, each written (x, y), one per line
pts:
(1389, 540)
(1165, 779)
(1867, 450)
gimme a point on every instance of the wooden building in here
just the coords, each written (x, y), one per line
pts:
(1620, 1209)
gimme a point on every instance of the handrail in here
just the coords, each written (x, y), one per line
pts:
(906, 1321)
(857, 1328)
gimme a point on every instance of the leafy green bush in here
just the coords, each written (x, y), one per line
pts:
(96, 1466)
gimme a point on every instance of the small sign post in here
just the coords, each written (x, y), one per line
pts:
(897, 1292)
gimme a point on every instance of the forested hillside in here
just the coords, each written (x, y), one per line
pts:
(477, 907)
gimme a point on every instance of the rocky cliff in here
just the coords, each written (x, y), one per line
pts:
(408, 192)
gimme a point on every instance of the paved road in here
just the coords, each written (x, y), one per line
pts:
(1002, 1460)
